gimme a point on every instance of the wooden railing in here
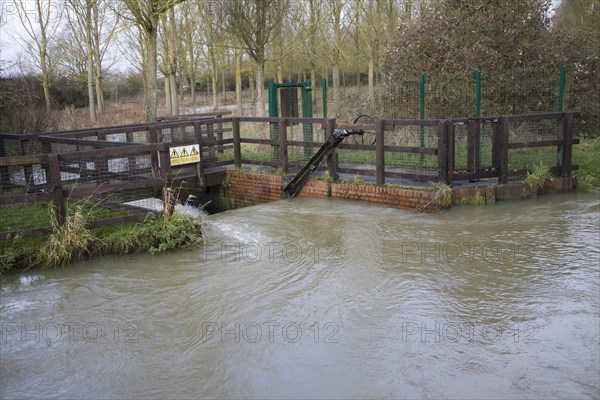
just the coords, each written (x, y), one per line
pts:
(76, 164)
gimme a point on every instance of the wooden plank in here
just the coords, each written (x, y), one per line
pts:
(567, 145)
(411, 122)
(26, 233)
(25, 198)
(113, 152)
(214, 142)
(23, 160)
(87, 142)
(541, 143)
(395, 149)
(113, 187)
(534, 116)
(259, 141)
(503, 157)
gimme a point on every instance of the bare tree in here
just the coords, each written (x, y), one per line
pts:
(254, 22)
(146, 13)
(41, 20)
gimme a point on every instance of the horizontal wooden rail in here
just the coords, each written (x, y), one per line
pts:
(23, 160)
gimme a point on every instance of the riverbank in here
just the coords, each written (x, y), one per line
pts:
(73, 241)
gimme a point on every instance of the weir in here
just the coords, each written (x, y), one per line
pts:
(112, 168)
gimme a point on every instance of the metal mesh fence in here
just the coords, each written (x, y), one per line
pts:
(305, 132)
(529, 131)
(447, 95)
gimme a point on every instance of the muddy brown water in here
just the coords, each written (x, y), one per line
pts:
(315, 298)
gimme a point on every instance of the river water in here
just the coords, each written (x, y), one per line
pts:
(317, 298)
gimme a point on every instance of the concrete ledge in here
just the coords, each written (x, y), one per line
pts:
(512, 191)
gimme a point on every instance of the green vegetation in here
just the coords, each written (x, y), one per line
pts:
(442, 196)
(538, 177)
(73, 241)
(587, 155)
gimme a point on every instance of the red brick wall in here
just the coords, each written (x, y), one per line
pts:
(248, 188)
(244, 188)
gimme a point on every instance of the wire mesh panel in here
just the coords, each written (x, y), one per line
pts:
(176, 133)
(120, 165)
(299, 154)
(461, 146)
(21, 216)
(25, 194)
(409, 162)
(259, 152)
(486, 132)
(534, 131)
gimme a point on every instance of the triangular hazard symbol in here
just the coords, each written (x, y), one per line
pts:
(184, 153)
(174, 154)
(194, 151)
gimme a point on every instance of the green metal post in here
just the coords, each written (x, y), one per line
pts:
(421, 113)
(307, 129)
(324, 94)
(477, 93)
(561, 88)
(272, 100)
(273, 127)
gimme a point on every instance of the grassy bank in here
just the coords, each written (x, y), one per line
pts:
(73, 241)
(587, 155)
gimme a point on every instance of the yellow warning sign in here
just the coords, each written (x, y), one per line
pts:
(185, 154)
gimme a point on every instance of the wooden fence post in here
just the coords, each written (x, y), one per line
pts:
(474, 145)
(379, 153)
(283, 150)
(58, 197)
(153, 138)
(567, 146)
(503, 150)
(199, 167)
(27, 169)
(237, 149)
(332, 158)
(165, 163)
(451, 141)
(4, 174)
(442, 151)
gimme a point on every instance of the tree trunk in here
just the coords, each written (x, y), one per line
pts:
(46, 82)
(260, 78)
(238, 81)
(151, 62)
(168, 103)
(215, 95)
(90, 62)
(98, 59)
(193, 89)
(371, 77)
(174, 98)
